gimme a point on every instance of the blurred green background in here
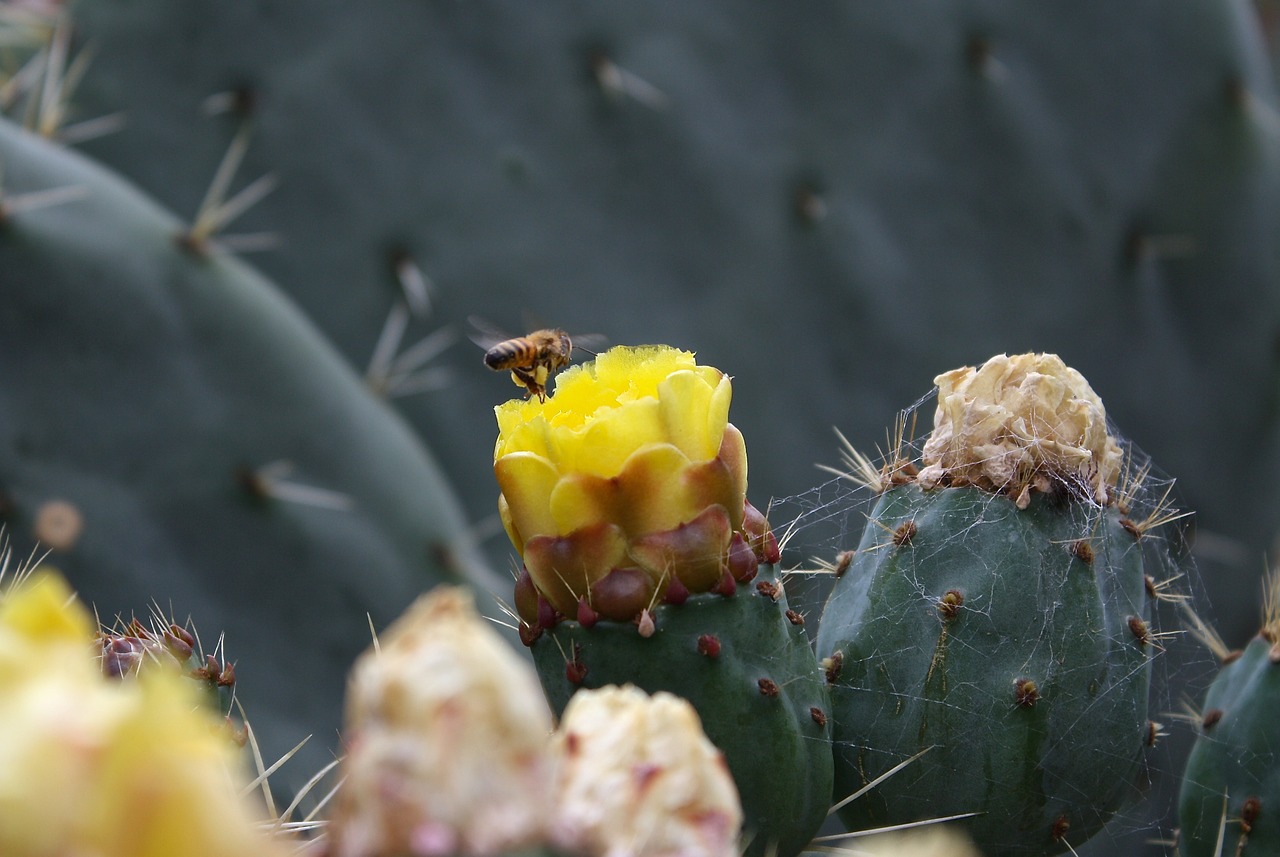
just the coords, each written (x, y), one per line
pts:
(832, 201)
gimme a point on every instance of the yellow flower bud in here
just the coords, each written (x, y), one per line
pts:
(446, 741)
(629, 481)
(1021, 424)
(638, 778)
(94, 766)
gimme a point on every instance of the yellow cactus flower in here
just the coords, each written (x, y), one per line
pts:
(1021, 424)
(639, 778)
(446, 741)
(628, 485)
(94, 766)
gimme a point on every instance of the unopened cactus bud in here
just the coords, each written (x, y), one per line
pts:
(122, 655)
(638, 778)
(446, 741)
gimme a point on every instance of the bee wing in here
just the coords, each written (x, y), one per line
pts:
(592, 343)
(486, 334)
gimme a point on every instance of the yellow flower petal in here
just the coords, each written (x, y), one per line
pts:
(581, 499)
(44, 610)
(723, 479)
(504, 515)
(693, 416)
(527, 481)
(654, 494)
(524, 436)
(604, 444)
(635, 373)
(167, 737)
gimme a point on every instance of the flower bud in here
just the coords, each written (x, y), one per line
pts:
(446, 741)
(638, 778)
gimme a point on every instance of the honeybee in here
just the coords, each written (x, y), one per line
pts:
(532, 359)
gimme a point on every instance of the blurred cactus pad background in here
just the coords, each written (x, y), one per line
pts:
(241, 243)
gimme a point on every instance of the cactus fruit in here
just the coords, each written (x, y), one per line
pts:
(625, 493)
(994, 617)
(1231, 785)
(745, 663)
(160, 395)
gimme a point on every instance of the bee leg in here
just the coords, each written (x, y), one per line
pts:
(529, 380)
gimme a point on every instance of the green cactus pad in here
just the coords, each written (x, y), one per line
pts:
(1232, 777)
(1010, 645)
(151, 395)
(745, 663)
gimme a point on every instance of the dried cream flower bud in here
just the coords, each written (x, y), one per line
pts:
(1021, 424)
(638, 778)
(447, 733)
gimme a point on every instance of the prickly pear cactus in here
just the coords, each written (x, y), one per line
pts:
(994, 620)
(179, 434)
(1231, 785)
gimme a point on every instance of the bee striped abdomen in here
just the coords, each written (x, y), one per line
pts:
(513, 352)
